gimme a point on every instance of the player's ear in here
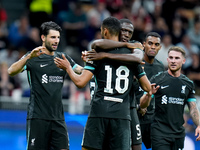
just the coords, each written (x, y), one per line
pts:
(43, 38)
(184, 61)
(105, 32)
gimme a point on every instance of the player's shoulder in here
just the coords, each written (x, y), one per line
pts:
(156, 61)
(185, 79)
(59, 54)
(134, 41)
(159, 76)
(122, 50)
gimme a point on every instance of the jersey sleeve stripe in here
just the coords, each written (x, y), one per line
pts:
(25, 67)
(74, 66)
(191, 99)
(89, 68)
(143, 73)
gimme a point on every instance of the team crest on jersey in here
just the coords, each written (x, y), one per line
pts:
(164, 99)
(183, 89)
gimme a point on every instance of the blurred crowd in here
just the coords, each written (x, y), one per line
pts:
(177, 21)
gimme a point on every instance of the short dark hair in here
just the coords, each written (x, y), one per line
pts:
(124, 20)
(154, 34)
(46, 26)
(177, 49)
(113, 25)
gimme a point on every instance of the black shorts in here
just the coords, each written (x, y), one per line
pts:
(146, 134)
(136, 136)
(107, 134)
(46, 134)
(167, 143)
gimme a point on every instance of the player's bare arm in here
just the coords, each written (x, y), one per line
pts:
(79, 80)
(146, 98)
(107, 44)
(18, 66)
(62, 63)
(145, 84)
(194, 112)
(126, 58)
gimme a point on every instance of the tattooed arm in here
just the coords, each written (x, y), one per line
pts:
(194, 113)
(78, 69)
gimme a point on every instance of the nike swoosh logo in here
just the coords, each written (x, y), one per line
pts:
(43, 65)
(163, 87)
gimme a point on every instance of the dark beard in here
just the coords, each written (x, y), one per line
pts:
(49, 49)
(151, 57)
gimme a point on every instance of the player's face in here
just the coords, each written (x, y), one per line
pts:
(126, 32)
(152, 46)
(175, 61)
(52, 40)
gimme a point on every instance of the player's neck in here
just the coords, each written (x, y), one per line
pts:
(46, 51)
(174, 73)
(148, 59)
(114, 38)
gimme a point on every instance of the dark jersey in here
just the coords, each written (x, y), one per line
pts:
(170, 99)
(46, 81)
(113, 85)
(150, 70)
(92, 87)
(139, 72)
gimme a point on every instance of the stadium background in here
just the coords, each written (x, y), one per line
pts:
(167, 17)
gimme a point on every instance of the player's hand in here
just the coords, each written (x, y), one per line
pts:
(197, 133)
(154, 88)
(142, 111)
(142, 63)
(83, 56)
(37, 51)
(93, 55)
(62, 63)
(135, 45)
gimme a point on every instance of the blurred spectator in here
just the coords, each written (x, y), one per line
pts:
(95, 17)
(169, 9)
(39, 11)
(142, 24)
(3, 27)
(97, 36)
(189, 50)
(194, 32)
(113, 6)
(33, 40)
(160, 26)
(19, 31)
(74, 22)
(98, 13)
(157, 12)
(193, 72)
(7, 84)
(77, 99)
(177, 32)
(22, 77)
(149, 6)
(163, 52)
(9, 55)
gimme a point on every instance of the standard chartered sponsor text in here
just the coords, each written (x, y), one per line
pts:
(175, 100)
(55, 79)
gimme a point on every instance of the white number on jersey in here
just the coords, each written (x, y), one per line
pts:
(119, 77)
